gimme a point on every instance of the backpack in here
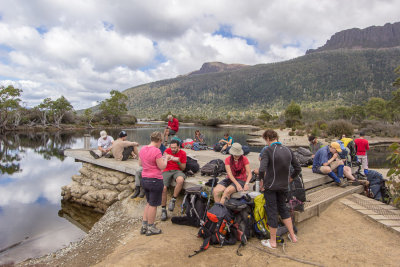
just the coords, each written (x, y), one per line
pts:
(217, 147)
(246, 150)
(296, 189)
(352, 150)
(214, 167)
(260, 220)
(377, 186)
(193, 206)
(191, 165)
(199, 146)
(217, 229)
(243, 218)
(303, 160)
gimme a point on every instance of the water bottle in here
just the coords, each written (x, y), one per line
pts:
(257, 184)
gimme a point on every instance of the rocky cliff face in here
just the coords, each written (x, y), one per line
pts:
(210, 67)
(371, 37)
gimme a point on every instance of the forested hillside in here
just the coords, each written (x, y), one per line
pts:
(313, 80)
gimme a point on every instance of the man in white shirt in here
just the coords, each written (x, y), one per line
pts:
(104, 145)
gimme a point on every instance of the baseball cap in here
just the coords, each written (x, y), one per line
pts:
(103, 134)
(122, 134)
(336, 146)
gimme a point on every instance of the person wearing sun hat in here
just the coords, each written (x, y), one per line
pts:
(238, 175)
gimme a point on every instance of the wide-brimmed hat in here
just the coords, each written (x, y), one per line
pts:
(236, 149)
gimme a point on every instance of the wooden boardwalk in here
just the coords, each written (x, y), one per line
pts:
(322, 191)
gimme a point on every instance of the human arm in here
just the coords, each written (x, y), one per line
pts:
(162, 162)
(248, 173)
(140, 162)
(333, 158)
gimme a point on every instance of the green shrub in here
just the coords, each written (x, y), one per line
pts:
(292, 133)
(394, 174)
(300, 133)
(339, 127)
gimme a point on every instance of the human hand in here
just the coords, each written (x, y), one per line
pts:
(239, 187)
(246, 187)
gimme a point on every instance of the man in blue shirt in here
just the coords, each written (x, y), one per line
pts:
(326, 160)
(226, 143)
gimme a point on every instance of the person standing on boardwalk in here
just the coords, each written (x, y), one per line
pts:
(172, 127)
(314, 145)
(275, 170)
(153, 163)
(173, 172)
(123, 149)
(104, 144)
(362, 145)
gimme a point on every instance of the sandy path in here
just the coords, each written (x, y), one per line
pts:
(339, 237)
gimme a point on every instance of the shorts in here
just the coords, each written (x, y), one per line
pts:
(153, 189)
(275, 203)
(169, 175)
(333, 166)
(317, 170)
(127, 153)
(227, 182)
(171, 132)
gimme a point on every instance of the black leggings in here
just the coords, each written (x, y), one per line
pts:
(275, 202)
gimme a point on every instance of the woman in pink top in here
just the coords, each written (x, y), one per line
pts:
(153, 163)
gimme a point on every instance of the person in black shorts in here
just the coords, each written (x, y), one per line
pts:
(153, 163)
(275, 170)
(238, 175)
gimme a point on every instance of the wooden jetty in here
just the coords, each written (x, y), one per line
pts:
(320, 190)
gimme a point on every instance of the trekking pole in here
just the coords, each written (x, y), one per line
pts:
(214, 176)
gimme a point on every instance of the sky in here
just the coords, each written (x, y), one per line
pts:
(83, 49)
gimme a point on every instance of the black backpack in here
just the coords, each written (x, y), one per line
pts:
(296, 194)
(217, 147)
(377, 187)
(193, 206)
(243, 218)
(214, 167)
(304, 156)
(217, 229)
(191, 165)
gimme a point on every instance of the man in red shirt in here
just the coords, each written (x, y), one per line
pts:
(173, 171)
(172, 127)
(362, 147)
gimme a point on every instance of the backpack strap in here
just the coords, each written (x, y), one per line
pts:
(206, 245)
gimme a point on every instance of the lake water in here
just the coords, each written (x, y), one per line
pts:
(33, 220)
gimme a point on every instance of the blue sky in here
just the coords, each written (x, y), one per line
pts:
(84, 49)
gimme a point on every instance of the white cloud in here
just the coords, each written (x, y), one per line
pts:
(83, 49)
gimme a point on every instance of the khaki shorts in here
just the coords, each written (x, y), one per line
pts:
(335, 164)
(169, 175)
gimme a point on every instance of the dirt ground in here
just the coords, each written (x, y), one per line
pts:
(339, 237)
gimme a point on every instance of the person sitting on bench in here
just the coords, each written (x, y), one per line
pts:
(172, 128)
(239, 175)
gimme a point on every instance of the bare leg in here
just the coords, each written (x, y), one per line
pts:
(146, 208)
(178, 186)
(217, 192)
(272, 239)
(151, 214)
(227, 193)
(166, 133)
(164, 197)
(289, 225)
(347, 173)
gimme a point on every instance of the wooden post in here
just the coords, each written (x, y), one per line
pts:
(86, 141)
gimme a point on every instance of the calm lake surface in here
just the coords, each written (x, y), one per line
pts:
(33, 220)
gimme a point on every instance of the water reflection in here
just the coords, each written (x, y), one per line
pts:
(33, 169)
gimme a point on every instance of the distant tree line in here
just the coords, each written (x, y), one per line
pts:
(54, 113)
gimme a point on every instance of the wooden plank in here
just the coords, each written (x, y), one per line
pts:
(320, 200)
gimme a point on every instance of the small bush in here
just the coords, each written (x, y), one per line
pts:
(300, 133)
(339, 127)
(292, 133)
(212, 122)
(379, 128)
(323, 126)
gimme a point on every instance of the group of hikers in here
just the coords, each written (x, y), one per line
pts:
(160, 166)
(335, 161)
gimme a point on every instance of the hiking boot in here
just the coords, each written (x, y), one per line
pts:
(94, 155)
(355, 183)
(171, 205)
(108, 156)
(143, 230)
(142, 193)
(152, 230)
(164, 215)
(223, 152)
(137, 191)
(342, 183)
